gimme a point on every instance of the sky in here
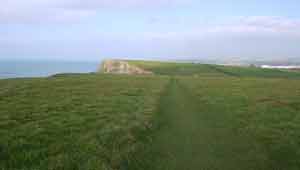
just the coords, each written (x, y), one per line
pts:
(149, 29)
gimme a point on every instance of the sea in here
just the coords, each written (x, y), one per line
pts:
(44, 68)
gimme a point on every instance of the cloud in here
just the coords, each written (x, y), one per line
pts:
(244, 37)
(96, 4)
(255, 26)
(36, 11)
(261, 25)
(43, 11)
(44, 16)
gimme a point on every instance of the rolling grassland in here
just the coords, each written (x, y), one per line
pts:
(184, 116)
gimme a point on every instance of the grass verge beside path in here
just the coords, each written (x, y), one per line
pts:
(194, 135)
(194, 117)
(75, 122)
(264, 111)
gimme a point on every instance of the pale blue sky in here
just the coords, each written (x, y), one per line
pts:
(157, 29)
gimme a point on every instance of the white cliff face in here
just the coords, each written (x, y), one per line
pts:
(121, 67)
(280, 67)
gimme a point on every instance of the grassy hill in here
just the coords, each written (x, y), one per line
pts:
(185, 116)
(75, 122)
(188, 69)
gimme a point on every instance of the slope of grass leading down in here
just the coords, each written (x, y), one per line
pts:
(74, 122)
(185, 117)
(226, 123)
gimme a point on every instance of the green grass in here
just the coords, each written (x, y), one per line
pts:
(256, 72)
(186, 116)
(74, 122)
(172, 69)
(208, 70)
(226, 123)
(265, 112)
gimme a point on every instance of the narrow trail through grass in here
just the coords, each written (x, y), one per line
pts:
(192, 136)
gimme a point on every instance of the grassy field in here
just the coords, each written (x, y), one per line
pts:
(208, 70)
(186, 117)
(227, 123)
(75, 122)
(257, 120)
(177, 69)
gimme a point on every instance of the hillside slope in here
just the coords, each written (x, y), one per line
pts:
(209, 70)
(75, 122)
(226, 123)
(184, 116)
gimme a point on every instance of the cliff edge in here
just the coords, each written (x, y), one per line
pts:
(121, 67)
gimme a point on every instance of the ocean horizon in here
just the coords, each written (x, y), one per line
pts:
(44, 68)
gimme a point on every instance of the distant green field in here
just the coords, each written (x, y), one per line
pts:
(256, 72)
(172, 69)
(185, 117)
(190, 69)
